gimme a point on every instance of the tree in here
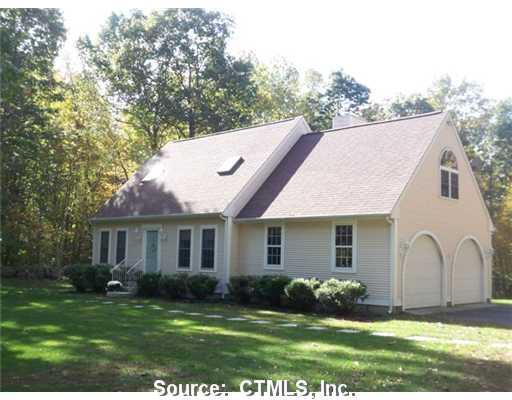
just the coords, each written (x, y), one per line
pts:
(30, 40)
(494, 152)
(85, 164)
(278, 91)
(344, 93)
(169, 73)
(471, 109)
(312, 102)
(404, 106)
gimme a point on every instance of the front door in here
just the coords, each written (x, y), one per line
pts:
(151, 256)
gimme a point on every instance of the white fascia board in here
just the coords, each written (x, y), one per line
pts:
(266, 168)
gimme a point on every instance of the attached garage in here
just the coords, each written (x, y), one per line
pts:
(423, 274)
(468, 274)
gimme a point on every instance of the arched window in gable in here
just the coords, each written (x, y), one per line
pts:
(449, 175)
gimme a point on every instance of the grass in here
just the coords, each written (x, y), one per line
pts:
(55, 340)
(504, 302)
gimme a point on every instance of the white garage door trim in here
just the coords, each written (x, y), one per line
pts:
(482, 257)
(410, 245)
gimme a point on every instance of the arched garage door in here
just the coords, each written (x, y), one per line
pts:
(468, 274)
(423, 274)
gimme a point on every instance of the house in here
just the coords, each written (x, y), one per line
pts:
(392, 203)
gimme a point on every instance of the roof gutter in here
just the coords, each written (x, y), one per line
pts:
(310, 217)
(136, 218)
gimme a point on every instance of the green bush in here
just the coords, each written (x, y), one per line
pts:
(148, 285)
(241, 288)
(174, 286)
(86, 277)
(301, 293)
(202, 286)
(77, 274)
(268, 289)
(337, 296)
(102, 276)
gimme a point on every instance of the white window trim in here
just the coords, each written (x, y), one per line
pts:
(109, 256)
(450, 171)
(157, 228)
(215, 249)
(275, 267)
(355, 248)
(125, 245)
(178, 230)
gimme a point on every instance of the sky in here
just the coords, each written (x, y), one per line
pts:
(393, 46)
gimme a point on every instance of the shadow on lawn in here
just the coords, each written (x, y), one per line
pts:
(69, 345)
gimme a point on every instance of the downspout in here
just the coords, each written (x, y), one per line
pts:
(393, 260)
(228, 229)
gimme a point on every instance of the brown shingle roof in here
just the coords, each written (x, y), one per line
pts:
(190, 183)
(350, 171)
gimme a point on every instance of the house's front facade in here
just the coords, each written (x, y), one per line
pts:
(393, 204)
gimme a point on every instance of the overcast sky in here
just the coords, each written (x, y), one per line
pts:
(391, 46)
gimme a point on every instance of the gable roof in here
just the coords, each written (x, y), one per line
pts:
(357, 170)
(185, 173)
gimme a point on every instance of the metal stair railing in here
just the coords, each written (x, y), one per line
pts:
(135, 272)
(119, 271)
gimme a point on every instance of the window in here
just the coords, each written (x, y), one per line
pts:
(344, 254)
(104, 246)
(120, 246)
(274, 247)
(184, 248)
(208, 248)
(449, 176)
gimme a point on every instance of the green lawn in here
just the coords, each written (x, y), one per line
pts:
(53, 339)
(504, 302)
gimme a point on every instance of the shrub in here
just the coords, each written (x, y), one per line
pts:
(88, 277)
(301, 293)
(148, 285)
(174, 286)
(202, 286)
(242, 288)
(337, 296)
(100, 276)
(78, 276)
(269, 289)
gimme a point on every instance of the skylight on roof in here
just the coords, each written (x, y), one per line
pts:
(154, 173)
(230, 165)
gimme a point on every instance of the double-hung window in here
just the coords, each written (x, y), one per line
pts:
(274, 238)
(208, 239)
(104, 247)
(184, 245)
(449, 176)
(121, 246)
(344, 254)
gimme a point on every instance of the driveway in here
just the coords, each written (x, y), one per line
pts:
(492, 314)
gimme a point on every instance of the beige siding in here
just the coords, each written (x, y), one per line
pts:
(423, 209)
(308, 252)
(168, 242)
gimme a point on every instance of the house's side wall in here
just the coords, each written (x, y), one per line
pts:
(168, 243)
(422, 208)
(308, 253)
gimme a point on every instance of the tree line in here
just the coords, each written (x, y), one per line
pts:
(70, 139)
